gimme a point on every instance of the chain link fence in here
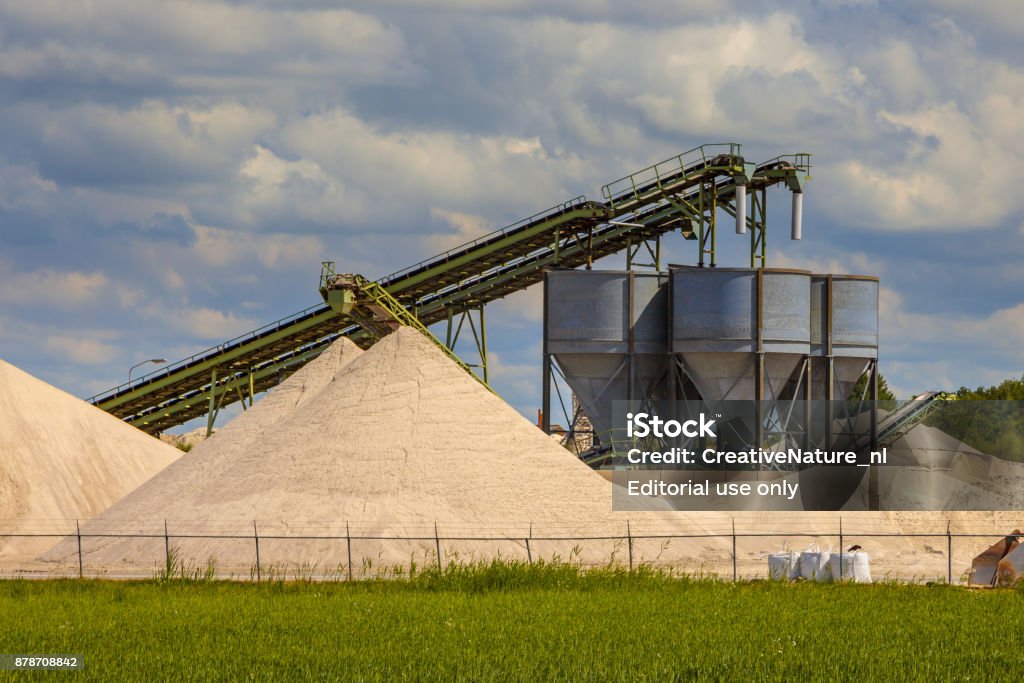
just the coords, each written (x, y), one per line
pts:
(725, 549)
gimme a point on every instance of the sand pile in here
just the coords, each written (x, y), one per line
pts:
(934, 470)
(351, 453)
(382, 444)
(62, 459)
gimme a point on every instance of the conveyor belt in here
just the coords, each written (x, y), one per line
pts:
(644, 205)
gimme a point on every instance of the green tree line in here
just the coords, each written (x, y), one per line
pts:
(990, 419)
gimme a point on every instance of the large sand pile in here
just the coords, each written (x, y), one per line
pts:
(390, 444)
(62, 460)
(367, 457)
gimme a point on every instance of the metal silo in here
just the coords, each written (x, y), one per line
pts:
(607, 331)
(740, 334)
(844, 332)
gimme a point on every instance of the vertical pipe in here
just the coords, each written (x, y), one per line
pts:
(741, 209)
(798, 215)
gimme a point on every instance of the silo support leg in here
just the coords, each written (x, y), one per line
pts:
(545, 401)
(211, 414)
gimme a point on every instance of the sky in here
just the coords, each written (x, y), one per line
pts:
(173, 173)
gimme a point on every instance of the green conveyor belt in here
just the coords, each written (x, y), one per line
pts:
(642, 206)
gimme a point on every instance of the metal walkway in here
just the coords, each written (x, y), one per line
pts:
(682, 193)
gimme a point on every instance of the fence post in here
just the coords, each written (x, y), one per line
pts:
(629, 537)
(840, 548)
(78, 533)
(348, 544)
(734, 572)
(167, 546)
(256, 535)
(949, 554)
(437, 545)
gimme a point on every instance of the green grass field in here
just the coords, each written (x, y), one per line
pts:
(514, 622)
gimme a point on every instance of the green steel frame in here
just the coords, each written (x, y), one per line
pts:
(680, 194)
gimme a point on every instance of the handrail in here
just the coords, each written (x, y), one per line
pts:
(681, 160)
(200, 355)
(574, 203)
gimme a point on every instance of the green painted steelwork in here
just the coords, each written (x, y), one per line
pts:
(674, 195)
(369, 305)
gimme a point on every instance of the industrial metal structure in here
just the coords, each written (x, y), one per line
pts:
(681, 194)
(606, 332)
(786, 339)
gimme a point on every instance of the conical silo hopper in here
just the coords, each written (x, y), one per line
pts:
(844, 332)
(723, 318)
(607, 331)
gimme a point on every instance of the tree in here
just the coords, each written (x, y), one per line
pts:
(884, 393)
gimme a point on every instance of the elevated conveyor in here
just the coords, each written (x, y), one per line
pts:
(908, 415)
(682, 193)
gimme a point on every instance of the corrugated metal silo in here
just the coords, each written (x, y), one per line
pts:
(844, 332)
(607, 332)
(740, 334)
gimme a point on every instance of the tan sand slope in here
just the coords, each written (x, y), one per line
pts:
(401, 439)
(396, 440)
(62, 459)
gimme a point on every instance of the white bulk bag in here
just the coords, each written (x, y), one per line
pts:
(853, 567)
(814, 565)
(783, 566)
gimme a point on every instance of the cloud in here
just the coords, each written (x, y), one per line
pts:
(913, 342)
(86, 351)
(188, 164)
(153, 143)
(47, 287)
(221, 247)
(160, 227)
(957, 155)
(197, 46)
(467, 227)
(506, 173)
(203, 323)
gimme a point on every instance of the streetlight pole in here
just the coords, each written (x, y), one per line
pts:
(148, 360)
